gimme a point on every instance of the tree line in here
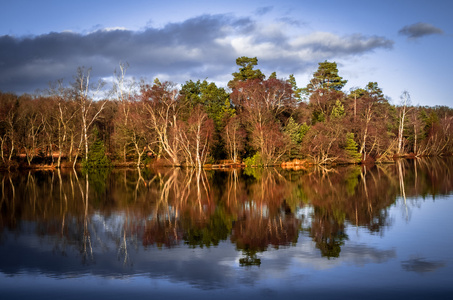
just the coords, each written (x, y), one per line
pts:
(255, 120)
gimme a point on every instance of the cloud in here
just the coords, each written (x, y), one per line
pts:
(201, 47)
(419, 30)
(263, 10)
(421, 265)
(291, 21)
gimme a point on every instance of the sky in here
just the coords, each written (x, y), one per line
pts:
(403, 45)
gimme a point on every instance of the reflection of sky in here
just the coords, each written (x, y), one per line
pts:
(399, 260)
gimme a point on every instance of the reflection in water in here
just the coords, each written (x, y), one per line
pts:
(255, 209)
(421, 265)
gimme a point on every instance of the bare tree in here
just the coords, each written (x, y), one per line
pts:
(405, 101)
(234, 137)
(8, 120)
(162, 106)
(64, 114)
(260, 103)
(200, 131)
(32, 125)
(84, 94)
(124, 90)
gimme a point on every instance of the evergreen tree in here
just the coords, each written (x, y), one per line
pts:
(246, 70)
(292, 129)
(214, 100)
(351, 147)
(96, 156)
(337, 110)
(326, 77)
(296, 90)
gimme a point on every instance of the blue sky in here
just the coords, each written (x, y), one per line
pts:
(402, 45)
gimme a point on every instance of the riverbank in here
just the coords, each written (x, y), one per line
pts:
(296, 164)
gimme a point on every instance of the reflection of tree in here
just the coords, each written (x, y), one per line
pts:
(328, 234)
(31, 189)
(264, 218)
(8, 203)
(98, 180)
(258, 232)
(183, 210)
(209, 233)
(86, 249)
(250, 258)
(400, 167)
(201, 208)
(63, 196)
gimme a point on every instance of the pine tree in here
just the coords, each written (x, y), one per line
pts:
(337, 110)
(351, 147)
(326, 77)
(96, 155)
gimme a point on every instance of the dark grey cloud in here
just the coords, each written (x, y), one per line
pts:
(201, 47)
(421, 265)
(419, 30)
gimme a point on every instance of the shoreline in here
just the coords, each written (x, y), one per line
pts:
(294, 164)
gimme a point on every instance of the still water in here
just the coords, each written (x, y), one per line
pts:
(342, 233)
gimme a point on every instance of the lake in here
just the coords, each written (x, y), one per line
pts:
(344, 233)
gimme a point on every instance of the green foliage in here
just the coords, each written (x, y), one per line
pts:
(295, 132)
(431, 120)
(331, 246)
(374, 90)
(318, 116)
(96, 156)
(251, 259)
(326, 77)
(304, 128)
(256, 173)
(297, 197)
(337, 110)
(351, 147)
(157, 82)
(97, 179)
(254, 161)
(246, 70)
(292, 129)
(214, 100)
(273, 75)
(296, 90)
(352, 180)
(357, 93)
(217, 229)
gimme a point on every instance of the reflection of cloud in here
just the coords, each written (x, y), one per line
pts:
(307, 255)
(419, 29)
(26, 252)
(420, 265)
(360, 255)
(357, 255)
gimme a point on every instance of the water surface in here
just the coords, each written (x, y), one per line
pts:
(347, 232)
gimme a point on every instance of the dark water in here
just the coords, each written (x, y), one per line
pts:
(343, 233)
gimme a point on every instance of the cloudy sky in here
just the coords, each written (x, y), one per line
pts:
(401, 44)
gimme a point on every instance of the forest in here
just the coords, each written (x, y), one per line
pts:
(256, 120)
